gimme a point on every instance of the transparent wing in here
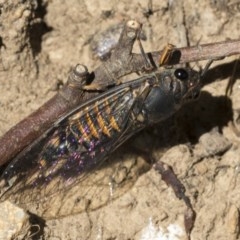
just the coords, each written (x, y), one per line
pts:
(63, 172)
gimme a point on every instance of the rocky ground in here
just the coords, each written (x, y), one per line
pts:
(39, 43)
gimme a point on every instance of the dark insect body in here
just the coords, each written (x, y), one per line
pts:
(64, 162)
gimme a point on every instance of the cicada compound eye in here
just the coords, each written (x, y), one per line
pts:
(181, 74)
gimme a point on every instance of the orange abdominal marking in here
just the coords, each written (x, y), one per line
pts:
(114, 124)
(108, 109)
(103, 126)
(92, 127)
(84, 133)
(42, 162)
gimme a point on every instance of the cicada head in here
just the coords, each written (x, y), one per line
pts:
(173, 88)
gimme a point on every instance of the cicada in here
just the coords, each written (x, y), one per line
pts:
(60, 173)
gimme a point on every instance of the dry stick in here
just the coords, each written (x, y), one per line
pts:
(121, 62)
(209, 51)
(136, 63)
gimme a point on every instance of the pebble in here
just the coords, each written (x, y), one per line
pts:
(13, 221)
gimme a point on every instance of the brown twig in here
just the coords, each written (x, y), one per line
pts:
(136, 62)
(120, 63)
(209, 51)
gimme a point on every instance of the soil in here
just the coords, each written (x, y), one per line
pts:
(39, 43)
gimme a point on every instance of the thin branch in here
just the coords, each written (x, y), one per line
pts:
(210, 51)
(136, 63)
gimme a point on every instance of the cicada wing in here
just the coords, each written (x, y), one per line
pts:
(66, 175)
